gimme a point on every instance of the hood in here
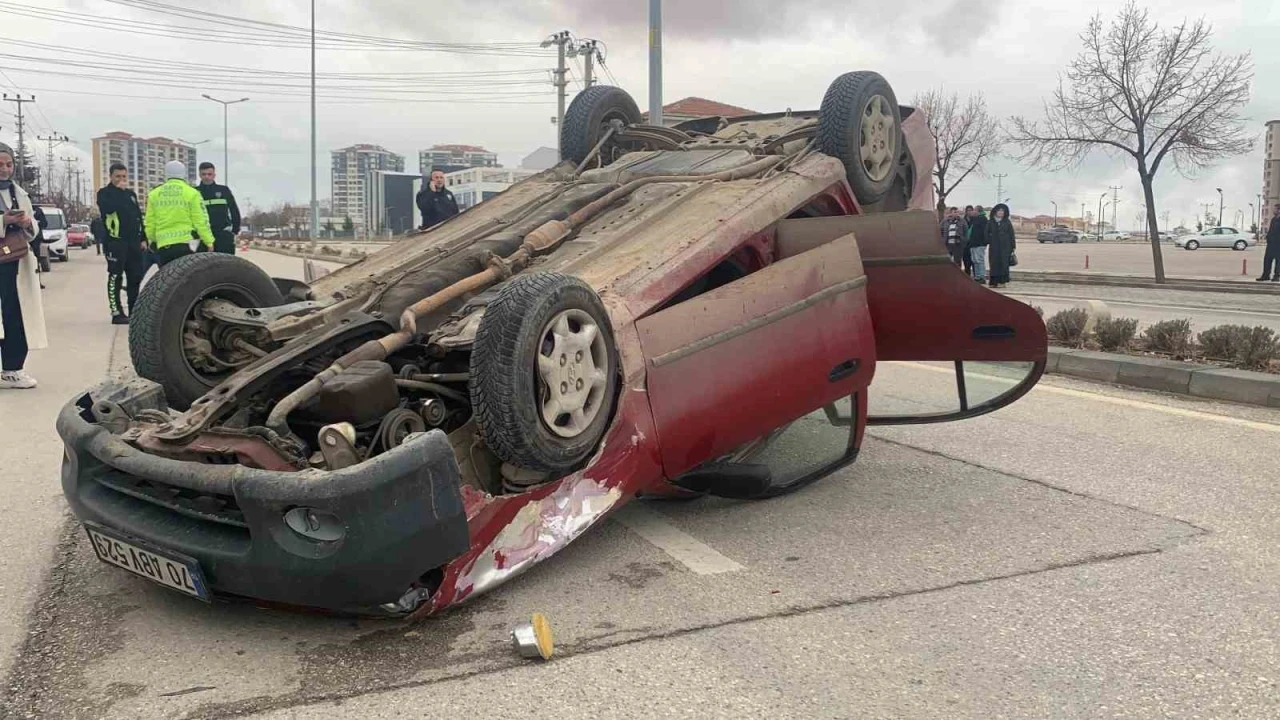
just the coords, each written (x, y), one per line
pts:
(1001, 206)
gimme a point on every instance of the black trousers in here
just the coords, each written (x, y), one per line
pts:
(169, 253)
(224, 242)
(1271, 261)
(13, 348)
(125, 272)
(959, 256)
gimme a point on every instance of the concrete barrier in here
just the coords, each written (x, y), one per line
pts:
(1171, 376)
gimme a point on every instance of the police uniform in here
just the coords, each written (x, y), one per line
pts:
(224, 216)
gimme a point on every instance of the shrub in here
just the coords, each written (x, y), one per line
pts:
(1067, 327)
(1116, 334)
(1256, 347)
(1219, 343)
(1169, 336)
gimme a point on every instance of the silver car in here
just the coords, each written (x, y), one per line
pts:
(1216, 237)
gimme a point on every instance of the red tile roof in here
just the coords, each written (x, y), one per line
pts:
(702, 107)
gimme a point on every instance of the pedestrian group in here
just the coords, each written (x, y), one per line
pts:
(984, 246)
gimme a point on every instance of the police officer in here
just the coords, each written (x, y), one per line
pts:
(175, 211)
(123, 241)
(224, 215)
(436, 202)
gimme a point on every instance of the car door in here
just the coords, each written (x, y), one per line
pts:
(946, 347)
(1212, 238)
(731, 365)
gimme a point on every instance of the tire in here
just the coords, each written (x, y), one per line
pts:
(845, 108)
(589, 115)
(509, 396)
(1241, 245)
(166, 301)
(1193, 245)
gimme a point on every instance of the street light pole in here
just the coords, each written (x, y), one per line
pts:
(226, 154)
(1055, 212)
(1221, 205)
(1104, 197)
(655, 62)
(315, 207)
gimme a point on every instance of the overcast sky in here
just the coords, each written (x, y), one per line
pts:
(761, 54)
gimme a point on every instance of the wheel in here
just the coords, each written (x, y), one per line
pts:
(1241, 245)
(860, 124)
(1192, 245)
(589, 116)
(169, 342)
(544, 372)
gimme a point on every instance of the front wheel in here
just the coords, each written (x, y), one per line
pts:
(170, 340)
(1193, 245)
(544, 372)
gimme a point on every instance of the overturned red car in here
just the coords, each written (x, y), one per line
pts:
(645, 320)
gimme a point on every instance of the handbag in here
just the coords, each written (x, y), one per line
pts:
(1013, 258)
(16, 243)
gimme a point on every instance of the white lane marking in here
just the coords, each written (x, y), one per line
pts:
(1123, 402)
(1153, 306)
(680, 545)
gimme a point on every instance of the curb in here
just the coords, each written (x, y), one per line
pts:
(1210, 383)
(305, 256)
(1134, 281)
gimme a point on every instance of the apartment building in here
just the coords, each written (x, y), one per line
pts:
(145, 158)
(1271, 171)
(352, 168)
(475, 185)
(452, 158)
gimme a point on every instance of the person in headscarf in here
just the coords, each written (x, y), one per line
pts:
(1000, 245)
(21, 309)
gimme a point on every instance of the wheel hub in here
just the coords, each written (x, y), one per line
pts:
(573, 365)
(879, 138)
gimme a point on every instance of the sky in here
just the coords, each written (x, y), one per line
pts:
(765, 55)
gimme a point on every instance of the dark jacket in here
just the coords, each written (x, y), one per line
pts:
(122, 217)
(224, 214)
(1273, 232)
(1001, 240)
(961, 229)
(978, 230)
(436, 207)
(98, 230)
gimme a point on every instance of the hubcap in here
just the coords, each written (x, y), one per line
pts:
(879, 138)
(573, 365)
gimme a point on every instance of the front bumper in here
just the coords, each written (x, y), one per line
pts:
(381, 525)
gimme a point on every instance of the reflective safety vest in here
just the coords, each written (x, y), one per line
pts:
(175, 211)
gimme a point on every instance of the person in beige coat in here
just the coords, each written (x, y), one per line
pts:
(21, 308)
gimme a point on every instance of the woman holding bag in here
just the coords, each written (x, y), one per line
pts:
(21, 310)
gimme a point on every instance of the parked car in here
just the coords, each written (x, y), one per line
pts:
(1113, 236)
(420, 426)
(1217, 237)
(55, 233)
(1058, 234)
(79, 236)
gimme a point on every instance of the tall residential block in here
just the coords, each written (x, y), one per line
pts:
(145, 158)
(352, 169)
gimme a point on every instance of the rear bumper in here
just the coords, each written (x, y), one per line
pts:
(383, 524)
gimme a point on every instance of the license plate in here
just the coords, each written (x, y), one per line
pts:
(171, 570)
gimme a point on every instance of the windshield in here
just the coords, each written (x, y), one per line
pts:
(56, 222)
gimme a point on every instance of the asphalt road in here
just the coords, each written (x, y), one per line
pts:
(1203, 309)
(1086, 552)
(1135, 259)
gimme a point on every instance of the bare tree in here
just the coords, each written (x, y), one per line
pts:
(1148, 93)
(964, 135)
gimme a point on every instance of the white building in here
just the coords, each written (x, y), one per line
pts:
(144, 157)
(474, 186)
(352, 167)
(1271, 173)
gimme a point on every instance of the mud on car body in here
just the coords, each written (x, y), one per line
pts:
(644, 319)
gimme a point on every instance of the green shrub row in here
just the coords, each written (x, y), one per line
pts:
(1251, 348)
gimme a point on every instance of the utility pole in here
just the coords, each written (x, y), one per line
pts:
(561, 82)
(1000, 187)
(79, 190)
(588, 50)
(53, 141)
(68, 187)
(655, 62)
(22, 145)
(315, 206)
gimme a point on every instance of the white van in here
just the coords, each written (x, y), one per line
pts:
(55, 233)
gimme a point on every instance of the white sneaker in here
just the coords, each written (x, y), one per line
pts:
(16, 380)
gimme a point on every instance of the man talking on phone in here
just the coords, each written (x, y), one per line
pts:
(436, 202)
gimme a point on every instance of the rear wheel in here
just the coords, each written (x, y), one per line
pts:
(1241, 245)
(860, 124)
(544, 372)
(171, 343)
(589, 117)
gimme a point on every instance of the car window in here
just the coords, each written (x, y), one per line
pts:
(922, 392)
(1230, 231)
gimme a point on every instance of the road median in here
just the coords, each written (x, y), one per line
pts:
(1182, 378)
